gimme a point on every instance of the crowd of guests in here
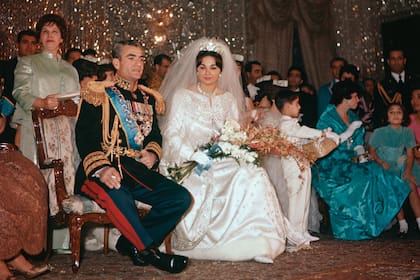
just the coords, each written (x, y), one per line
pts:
(117, 151)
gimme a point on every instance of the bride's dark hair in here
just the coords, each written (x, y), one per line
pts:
(217, 57)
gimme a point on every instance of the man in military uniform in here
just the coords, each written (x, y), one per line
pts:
(119, 141)
(394, 88)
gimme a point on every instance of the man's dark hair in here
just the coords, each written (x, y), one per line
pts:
(248, 65)
(284, 96)
(274, 72)
(27, 32)
(393, 49)
(297, 68)
(338, 58)
(160, 57)
(85, 68)
(66, 55)
(89, 52)
(116, 50)
(350, 68)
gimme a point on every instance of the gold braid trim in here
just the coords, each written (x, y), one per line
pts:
(155, 147)
(385, 97)
(110, 140)
(94, 93)
(94, 160)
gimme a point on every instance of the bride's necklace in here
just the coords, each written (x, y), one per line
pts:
(200, 90)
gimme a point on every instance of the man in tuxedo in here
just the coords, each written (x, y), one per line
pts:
(26, 45)
(394, 88)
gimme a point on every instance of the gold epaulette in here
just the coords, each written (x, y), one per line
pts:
(95, 92)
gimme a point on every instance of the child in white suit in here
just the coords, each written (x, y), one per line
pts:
(292, 178)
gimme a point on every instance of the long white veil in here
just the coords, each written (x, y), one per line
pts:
(183, 73)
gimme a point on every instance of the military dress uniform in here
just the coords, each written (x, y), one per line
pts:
(389, 91)
(114, 125)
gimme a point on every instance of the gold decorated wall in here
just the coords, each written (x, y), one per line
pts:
(167, 26)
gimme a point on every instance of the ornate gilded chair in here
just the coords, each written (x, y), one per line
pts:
(72, 214)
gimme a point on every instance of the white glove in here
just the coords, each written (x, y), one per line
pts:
(200, 157)
(350, 130)
(333, 136)
(359, 149)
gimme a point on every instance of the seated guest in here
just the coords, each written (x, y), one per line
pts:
(362, 196)
(392, 147)
(236, 215)
(119, 141)
(23, 214)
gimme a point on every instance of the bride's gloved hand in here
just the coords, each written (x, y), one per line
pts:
(350, 130)
(200, 157)
(333, 136)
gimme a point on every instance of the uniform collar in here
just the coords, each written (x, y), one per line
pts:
(123, 83)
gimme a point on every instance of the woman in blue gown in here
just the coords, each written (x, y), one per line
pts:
(362, 196)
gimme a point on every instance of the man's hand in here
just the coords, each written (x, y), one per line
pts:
(110, 177)
(148, 158)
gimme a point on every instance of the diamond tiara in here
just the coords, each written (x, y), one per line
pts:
(211, 46)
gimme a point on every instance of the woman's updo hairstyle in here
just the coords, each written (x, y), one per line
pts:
(344, 90)
(217, 57)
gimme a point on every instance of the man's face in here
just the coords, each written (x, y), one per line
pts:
(73, 56)
(396, 61)
(27, 45)
(255, 74)
(131, 63)
(294, 79)
(336, 67)
(369, 86)
(162, 69)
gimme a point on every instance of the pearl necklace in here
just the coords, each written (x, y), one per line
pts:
(200, 90)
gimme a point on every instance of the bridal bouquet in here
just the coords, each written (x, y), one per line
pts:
(231, 142)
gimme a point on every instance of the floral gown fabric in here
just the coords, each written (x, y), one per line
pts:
(363, 197)
(236, 215)
(23, 206)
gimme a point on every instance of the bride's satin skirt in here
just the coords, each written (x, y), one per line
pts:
(236, 215)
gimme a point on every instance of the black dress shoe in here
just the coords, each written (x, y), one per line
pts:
(402, 235)
(125, 248)
(166, 262)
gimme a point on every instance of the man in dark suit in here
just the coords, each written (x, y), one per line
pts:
(26, 45)
(119, 142)
(394, 88)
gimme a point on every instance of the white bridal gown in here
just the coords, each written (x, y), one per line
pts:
(236, 215)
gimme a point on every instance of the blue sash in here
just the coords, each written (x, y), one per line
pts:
(122, 107)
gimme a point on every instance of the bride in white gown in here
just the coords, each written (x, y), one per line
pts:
(236, 215)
